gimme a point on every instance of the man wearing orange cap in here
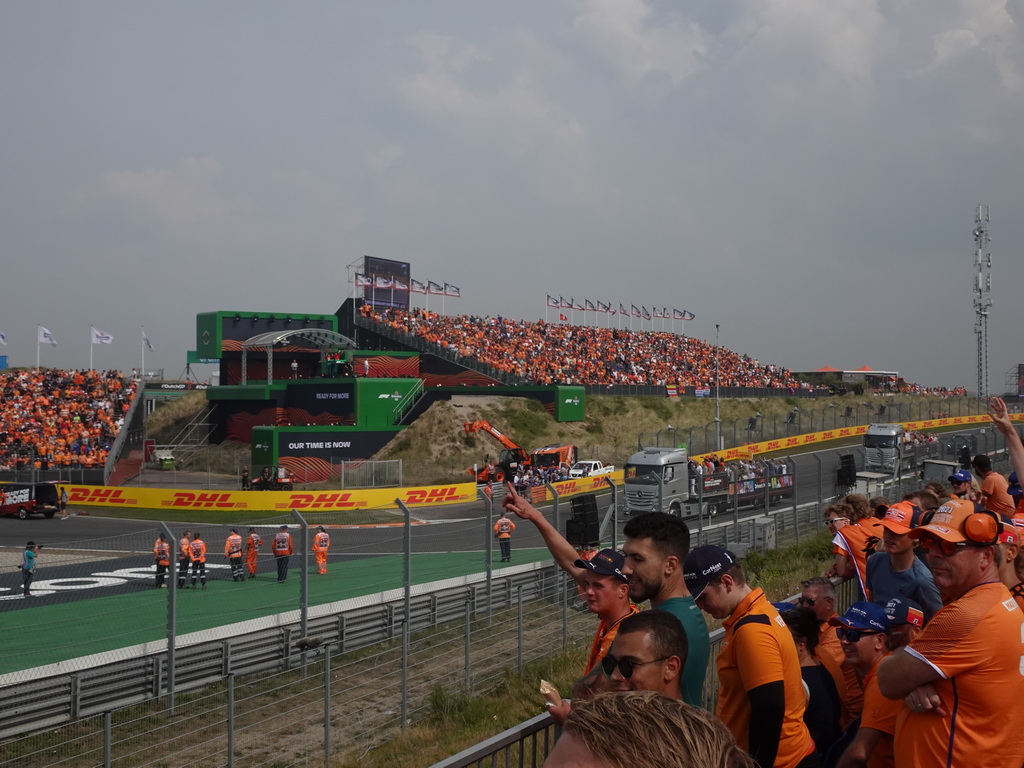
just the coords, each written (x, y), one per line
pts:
(897, 572)
(1010, 560)
(960, 679)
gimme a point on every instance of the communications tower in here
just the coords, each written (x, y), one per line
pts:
(982, 294)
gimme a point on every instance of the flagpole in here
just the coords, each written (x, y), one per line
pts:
(92, 332)
(142, 370)
(37, 346)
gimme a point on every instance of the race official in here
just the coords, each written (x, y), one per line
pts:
(197, 552)
(253, 542)
(233, 552)
(282, 549)
(184, 557)
(321, 544)
(162, 556)
(503, 529)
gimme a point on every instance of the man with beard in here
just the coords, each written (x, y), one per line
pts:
(648, 654)
(656, 548)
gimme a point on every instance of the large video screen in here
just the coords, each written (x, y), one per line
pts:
(384, 292)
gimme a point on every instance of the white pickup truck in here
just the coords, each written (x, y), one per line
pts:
(590, 469)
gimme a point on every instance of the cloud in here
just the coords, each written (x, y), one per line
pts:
(496, 104)
(626, 35)
(184, 204)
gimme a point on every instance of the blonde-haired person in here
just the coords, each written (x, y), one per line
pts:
(644, 729)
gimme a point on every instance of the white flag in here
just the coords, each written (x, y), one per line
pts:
(99, 337)
(146, 341)
(45, 337)
(3, 338)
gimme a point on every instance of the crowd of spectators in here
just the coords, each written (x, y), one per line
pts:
(543, 353)
(58, 418)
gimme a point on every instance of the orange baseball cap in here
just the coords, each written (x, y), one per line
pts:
(901, 517)
(948, 521)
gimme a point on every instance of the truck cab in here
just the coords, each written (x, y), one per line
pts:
(657, 480)
(883, 444)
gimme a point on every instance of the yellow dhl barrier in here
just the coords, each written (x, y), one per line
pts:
(313, 500)
(781, 444)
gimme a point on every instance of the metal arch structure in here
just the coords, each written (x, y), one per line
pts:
(320, 338)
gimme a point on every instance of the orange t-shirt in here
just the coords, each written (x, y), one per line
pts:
(880, 714)
(758, 649)
(975, 644)
(858, 542)
(604, 638)
(996, 499)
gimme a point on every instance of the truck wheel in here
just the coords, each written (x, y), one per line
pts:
(286, 486)
(23, 513)
(675, 510)
(499, 476)
(48, 514)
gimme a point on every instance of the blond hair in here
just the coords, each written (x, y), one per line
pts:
(647, 728)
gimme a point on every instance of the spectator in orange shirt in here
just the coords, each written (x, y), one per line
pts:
(960, 679)
(994, 494)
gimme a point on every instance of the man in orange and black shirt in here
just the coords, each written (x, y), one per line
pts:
(960, 679)
(761, 695)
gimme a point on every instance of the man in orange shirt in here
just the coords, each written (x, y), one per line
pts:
(233, 552)
(252, 549)
(321, 543)
(853, 544)
(184, 557)
(197, 552)
(994, 494)
(863, 631)
(503, 528)
(761, 695)
(282, 549)
(960, 679)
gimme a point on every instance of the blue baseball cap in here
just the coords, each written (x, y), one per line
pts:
(607, 562)
(704, 565)
(903, 610)
(866, 617)
(961, 476)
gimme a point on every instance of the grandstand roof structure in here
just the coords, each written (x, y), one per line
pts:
(318, 337)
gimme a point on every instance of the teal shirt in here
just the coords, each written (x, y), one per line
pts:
(685, 609)
(28, 560)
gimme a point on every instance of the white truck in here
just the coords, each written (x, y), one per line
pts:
(883, 448)
(590, 469)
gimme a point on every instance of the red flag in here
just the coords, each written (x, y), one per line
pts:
(563, 318)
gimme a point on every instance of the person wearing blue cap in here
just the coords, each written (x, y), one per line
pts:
(863, 632)
(906, 620)
(761, 696)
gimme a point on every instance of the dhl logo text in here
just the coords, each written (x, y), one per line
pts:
(320, 501)
(431, 495)
(201, 500)
(98, 496)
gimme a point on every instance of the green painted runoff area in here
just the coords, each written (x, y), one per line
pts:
(47, 634)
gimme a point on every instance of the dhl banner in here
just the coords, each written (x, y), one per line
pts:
(575, 486)
(128, 497)
(781, 444)
(273, 501)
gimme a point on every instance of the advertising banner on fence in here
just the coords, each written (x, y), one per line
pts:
(267, 501)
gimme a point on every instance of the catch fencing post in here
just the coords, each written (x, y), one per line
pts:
(519, 629)
(407, 607)
(303, 580)
(791, 465)
(327, 704)
(487, 495)
(172, 610)
(615, 511)
(231, 719)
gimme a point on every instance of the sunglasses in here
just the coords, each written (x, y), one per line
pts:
(625, 666)
(808, 601)
(835, 520)
(852, 635)
(948, 548)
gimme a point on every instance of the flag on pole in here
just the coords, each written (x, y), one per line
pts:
(564, 303)
(451, 290)
(145, 340)
(45, 337)
(602, 307)
(363, 281)
(656, 312)
(623, 310)
(401, 285)
(589, 305)
(552, 302)
(576, 305)
(677, 315)
(99, 337)
(644, 313)
(609, 308)
(688, 315)
(417, 287)
(563, 318)
(383, 281)
(3, 338)
(635, 310)
(435, 289)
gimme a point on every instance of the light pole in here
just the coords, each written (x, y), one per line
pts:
(718, 416)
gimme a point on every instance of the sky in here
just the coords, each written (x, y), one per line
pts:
(802, 174)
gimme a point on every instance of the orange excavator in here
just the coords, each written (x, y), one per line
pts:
(514, 456)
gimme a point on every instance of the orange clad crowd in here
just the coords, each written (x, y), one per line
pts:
(63, 418)
(544, 353)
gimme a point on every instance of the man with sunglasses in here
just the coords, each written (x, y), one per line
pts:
(863, 632)
(761, 695)
(648, 654)
(819, 594)
(960, 679)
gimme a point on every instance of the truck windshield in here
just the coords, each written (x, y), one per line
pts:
(879, 441)
(651, 473)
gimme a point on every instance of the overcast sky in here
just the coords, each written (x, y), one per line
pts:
(802, 173)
